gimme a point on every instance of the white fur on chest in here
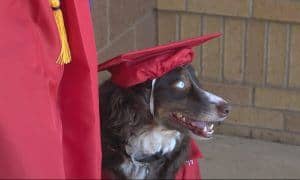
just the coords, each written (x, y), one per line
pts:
(134, 170)
(149, 141)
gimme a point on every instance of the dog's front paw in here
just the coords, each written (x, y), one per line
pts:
(152, 143)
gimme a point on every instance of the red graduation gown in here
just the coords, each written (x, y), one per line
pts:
(49, 121)
(190, 170)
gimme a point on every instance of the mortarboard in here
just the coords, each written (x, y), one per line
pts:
(139, 66)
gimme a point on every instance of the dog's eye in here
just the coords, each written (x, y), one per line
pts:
(180, 84)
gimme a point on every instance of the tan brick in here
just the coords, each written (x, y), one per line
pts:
(294, 79)
(166, 27)
(146, 32)
(233, 130)
(211, 57)
(190, 27)
(277, 54)
(254, 71)
(220, 7)
(265, 134)
(171, 4)
(234, 48)
(123, 14)
(100, 22)
(234, 94)
(279, 99)
(290, 138)
(255, 117)
(292, 121)
(124, 44)
(276, 136)
(257, 133)
(284, 10)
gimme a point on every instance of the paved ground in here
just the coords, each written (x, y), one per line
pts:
(233, 157)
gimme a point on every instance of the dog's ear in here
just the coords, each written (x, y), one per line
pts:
(129, 108)
(144, 90)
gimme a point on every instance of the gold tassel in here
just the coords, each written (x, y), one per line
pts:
(65, 54)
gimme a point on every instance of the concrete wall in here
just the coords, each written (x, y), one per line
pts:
(123, 25)
(255, 65)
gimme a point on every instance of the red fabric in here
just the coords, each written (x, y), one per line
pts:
(79, 95)
(49, 122)
(151, 63)
(191, 169)
(146, 70)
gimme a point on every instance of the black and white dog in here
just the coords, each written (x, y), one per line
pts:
(146, 128)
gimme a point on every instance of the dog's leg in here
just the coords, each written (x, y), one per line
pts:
(152, 141)
(175, 161)
(134, 170)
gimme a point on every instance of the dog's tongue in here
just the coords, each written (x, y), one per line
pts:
(201, 128)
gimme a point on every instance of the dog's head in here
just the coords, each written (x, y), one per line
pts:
(181, 103)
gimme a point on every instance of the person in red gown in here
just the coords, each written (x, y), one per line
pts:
(49, 116)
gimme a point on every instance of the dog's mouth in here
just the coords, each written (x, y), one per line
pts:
(198, 127)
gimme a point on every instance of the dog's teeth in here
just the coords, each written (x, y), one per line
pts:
(183, 119)
(179, 115)
(211, 126)
(205, 129)
(210, 132)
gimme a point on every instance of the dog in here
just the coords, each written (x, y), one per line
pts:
(146, 128)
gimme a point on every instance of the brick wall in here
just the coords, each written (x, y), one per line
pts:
(255, 65)
(123, 25)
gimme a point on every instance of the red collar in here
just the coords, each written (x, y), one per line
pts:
(195, 152)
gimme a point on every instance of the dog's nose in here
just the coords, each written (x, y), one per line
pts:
(223, 109)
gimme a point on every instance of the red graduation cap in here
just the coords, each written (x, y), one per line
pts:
(136, 67)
